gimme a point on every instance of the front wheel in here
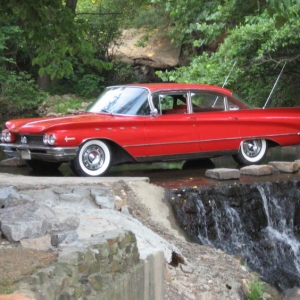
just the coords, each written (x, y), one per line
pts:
(93, 159)
(251, 152)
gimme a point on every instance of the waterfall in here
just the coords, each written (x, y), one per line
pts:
(259, 222)
(281, 233)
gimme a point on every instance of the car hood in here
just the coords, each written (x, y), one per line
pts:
(40, 125)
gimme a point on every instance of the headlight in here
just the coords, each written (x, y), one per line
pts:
(45, 139)
(6, 136)
(49, 139)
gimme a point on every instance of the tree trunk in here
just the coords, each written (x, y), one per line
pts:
(71, 4)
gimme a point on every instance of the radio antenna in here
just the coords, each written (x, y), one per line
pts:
(274, 86)
(226, 79)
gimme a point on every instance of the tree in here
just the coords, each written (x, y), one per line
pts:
(240, 33)
(54, 33)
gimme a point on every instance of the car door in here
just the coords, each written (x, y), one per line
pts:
(173, 132)
(217, 122)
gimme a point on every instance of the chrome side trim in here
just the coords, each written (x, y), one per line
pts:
(185, 156)
(270, 135)
(180, 143)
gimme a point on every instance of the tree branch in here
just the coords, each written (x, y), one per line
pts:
(99, 14)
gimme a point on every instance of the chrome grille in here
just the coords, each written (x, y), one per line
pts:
(31, 139)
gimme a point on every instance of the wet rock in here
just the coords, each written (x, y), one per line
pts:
(223, 173)
(292, 294)
(257, 170)
(246, 220)
(286, 167)
(13, 162)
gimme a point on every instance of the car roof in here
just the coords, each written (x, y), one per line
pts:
(179, 86)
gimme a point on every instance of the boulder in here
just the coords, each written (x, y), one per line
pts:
(158, 53)
(13, 162)
(32, 220)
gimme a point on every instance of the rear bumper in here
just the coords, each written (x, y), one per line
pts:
(55, 154)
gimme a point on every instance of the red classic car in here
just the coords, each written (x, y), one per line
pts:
(152, 122)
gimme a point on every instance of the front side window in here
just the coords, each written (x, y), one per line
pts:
(170, 103)
(122, 100)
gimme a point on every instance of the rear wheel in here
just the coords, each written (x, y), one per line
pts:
(41, 165)
(251, 152)
(93, 159)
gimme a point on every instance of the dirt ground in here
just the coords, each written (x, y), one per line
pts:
(16, 263)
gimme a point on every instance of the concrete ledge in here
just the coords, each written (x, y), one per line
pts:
(25, 181)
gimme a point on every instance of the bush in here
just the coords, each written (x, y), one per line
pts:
(90, 85)
(19, 93)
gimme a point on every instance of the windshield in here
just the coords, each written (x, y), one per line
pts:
(122, 100)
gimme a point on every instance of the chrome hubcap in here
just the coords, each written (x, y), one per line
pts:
(252, 147)
(93, 157)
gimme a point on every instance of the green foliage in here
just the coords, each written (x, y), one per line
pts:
(52, 34)
(283, 11)
(89, 85)
(256, 290)
(120, 74)
(19, 92)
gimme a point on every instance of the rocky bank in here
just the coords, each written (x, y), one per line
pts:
(192, 271)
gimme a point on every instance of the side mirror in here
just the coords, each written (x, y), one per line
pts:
(154, 112)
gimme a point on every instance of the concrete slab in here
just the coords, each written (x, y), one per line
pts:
(257, 170)
(223, 173)
(19, 180)
(285, 166)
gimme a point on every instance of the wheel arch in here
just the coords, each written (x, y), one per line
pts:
(119, 154)
(272, 143)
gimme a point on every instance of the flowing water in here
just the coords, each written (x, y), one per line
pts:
(259, 222)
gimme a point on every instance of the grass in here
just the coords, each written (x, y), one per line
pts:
(256, 290)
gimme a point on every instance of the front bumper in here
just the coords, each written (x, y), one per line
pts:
(27, 152)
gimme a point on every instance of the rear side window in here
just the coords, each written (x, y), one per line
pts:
(203, 101)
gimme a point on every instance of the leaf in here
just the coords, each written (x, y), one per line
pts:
(41, 72)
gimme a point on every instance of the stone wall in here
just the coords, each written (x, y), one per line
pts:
(106, 266)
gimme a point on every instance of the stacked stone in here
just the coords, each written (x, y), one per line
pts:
(104, 267)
